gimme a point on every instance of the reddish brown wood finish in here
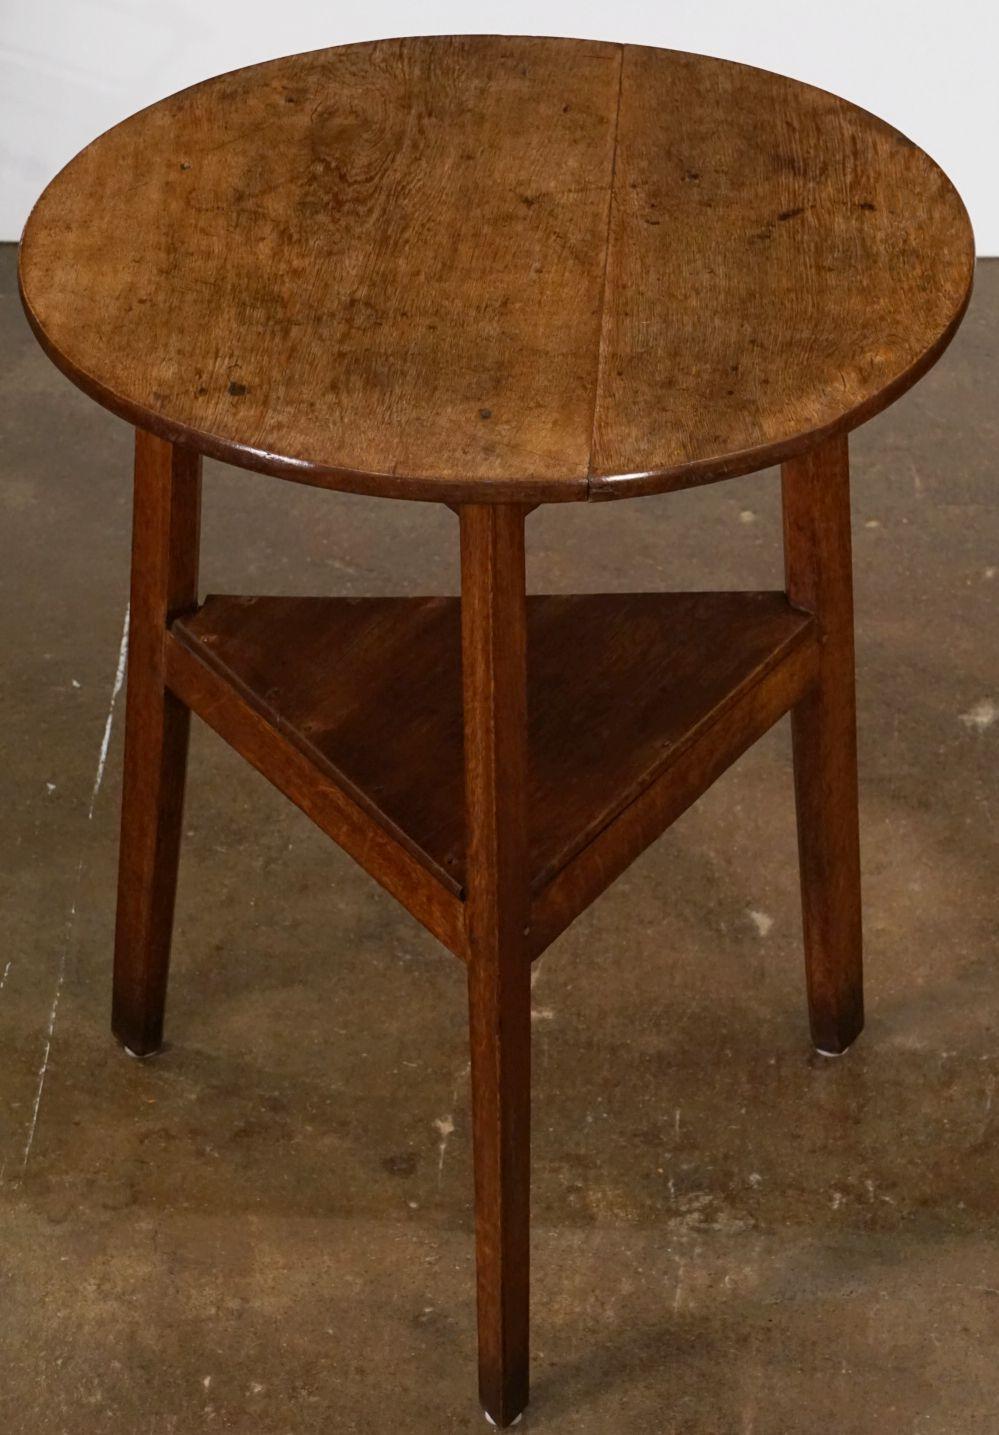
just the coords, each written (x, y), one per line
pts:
(606, 718)
(493, 268)
(317, 793)
(698, 762)
(166, 529)
(620, 739)
(816, 494)
(492, 272)
(494, 668)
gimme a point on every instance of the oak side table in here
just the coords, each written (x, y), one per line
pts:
(494, 273)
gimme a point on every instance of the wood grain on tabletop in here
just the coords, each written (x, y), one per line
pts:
(487, 268)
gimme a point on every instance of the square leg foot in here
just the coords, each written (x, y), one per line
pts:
(137, 1030)
(137, 1045)
(833, 1044)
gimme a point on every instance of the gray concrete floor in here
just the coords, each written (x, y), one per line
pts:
(268, 1228)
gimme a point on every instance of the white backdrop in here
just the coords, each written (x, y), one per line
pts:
(71, 68)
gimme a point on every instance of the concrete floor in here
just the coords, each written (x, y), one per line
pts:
(268, 1228)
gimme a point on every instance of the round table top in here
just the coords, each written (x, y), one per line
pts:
(500, 269)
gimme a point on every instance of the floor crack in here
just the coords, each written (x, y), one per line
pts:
(102, 758)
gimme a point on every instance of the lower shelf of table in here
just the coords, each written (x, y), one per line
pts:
(635, 703)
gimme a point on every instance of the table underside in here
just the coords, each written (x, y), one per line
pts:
(494, 761)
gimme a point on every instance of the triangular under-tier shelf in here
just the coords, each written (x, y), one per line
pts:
(619, 688)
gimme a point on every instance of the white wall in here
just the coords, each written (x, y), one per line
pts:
(71, 68)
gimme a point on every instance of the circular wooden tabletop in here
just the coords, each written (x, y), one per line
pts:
(486, 268)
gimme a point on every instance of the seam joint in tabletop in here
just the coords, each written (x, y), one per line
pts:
(603, 279)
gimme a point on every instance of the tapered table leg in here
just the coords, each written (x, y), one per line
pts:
(816, 497)
(499, 988)
(166, 526)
